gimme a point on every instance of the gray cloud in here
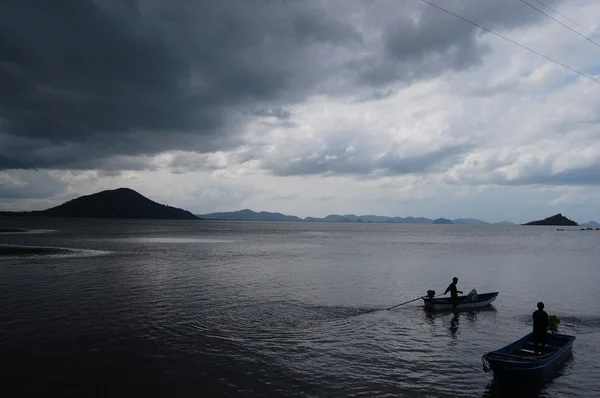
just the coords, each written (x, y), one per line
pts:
(424, 41)
(354, 153)
(430, 161)
(86, 82)
(29, 184)
(276, 112)
(577, 176)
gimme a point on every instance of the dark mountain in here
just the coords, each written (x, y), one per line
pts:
(442, 221)
(591, 224)
(122, 203)
(557, 219)
(249, 215)
(469, 221)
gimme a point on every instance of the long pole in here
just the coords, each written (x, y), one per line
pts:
(410, 301)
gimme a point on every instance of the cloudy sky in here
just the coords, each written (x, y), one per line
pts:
(306, 107)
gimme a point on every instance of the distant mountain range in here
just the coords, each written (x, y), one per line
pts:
(122, 203)
(125, 203)
(249, 215)
(591, 224)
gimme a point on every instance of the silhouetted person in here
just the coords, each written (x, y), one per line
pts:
(540, 327)
(453, 292)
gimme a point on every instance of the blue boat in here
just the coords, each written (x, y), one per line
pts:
(518, 361)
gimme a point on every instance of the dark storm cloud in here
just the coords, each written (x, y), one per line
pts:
(84, 81)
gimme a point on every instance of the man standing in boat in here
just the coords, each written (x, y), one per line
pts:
(540, 327)
(453, 292)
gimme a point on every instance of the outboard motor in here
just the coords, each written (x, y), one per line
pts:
(430, 294)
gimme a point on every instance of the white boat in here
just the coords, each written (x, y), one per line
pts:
(468, 302)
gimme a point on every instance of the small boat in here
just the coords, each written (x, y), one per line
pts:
(468, 302)
(518, 361)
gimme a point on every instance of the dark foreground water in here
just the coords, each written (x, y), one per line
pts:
(190, 309)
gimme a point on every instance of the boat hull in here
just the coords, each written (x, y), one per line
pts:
(445, 304)
(509, 368)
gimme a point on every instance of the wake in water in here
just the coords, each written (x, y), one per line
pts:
(16, 231)
(15, 251)
(581, 325)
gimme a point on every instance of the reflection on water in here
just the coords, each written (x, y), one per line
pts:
(454, 324)
(452, 320)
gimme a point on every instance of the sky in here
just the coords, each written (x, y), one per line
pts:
(305, 107)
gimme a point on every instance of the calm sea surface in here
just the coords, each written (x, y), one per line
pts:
(189, 309)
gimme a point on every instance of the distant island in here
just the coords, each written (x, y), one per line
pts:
(121, 203)
(591, 224)
(557, 219)
(249, 215)
(442, 221)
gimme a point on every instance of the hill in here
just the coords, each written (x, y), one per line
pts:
(249, 215)
(121, 203)
(442, 221)
(557, 219)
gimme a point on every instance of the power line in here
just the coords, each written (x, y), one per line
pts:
(512, 41)
(567, 18)
(557, 21)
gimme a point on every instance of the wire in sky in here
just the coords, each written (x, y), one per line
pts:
(557, 21)
(512, 41)
(567, 18)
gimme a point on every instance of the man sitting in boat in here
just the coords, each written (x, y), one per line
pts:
(540, 327)
(453, 292)
(472, 296)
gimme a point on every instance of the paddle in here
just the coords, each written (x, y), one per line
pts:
(410, 301)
